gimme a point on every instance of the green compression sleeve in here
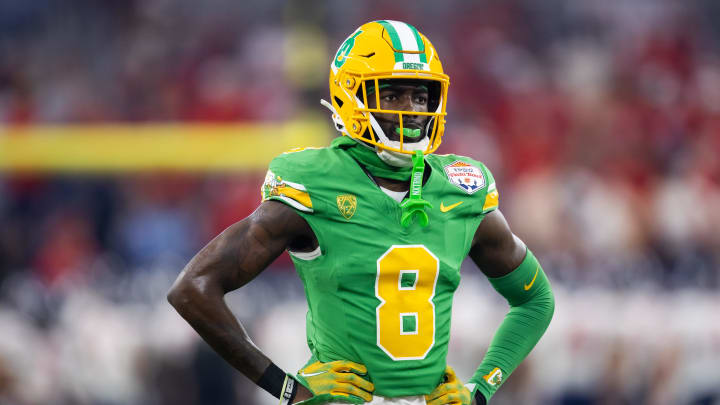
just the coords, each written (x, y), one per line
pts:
(532, 304)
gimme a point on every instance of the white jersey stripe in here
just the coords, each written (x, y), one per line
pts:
(293, 203)
(296, 186)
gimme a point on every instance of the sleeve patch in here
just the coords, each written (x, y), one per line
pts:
(465, 176)
(293, 194)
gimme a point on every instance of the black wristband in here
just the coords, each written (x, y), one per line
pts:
(480, 398)
(272, 380)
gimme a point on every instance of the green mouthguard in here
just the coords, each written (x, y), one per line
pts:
(408, 133)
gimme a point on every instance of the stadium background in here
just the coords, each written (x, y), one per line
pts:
(131, 132)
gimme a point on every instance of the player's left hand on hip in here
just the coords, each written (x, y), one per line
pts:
(336, 381)
(450, 392)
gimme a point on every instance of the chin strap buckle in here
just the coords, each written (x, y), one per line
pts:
(414, 205)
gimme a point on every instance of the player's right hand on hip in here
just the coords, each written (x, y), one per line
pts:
(336, 381)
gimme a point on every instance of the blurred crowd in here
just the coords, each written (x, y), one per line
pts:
(599, 120)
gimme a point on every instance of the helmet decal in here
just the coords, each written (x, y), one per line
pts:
(344, 50)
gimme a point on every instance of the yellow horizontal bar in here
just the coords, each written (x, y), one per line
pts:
(149, 147)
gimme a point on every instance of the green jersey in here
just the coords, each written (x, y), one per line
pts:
(379, 293)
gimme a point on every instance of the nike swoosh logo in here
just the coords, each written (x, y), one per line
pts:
(444, 208)
(312, 374)
(529, 286)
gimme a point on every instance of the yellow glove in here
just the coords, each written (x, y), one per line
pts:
(338, 381)
(450, 392)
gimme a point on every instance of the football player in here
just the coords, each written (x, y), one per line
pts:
(377, 227)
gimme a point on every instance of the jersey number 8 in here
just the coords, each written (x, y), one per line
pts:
(405, 285)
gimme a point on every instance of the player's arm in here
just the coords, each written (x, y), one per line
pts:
(228, 262)
(516, 274)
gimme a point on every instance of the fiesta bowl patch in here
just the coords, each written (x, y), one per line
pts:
(466, 176)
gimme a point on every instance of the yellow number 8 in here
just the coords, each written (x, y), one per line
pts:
(405, 285)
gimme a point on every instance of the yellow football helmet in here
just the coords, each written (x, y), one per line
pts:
(376, 52)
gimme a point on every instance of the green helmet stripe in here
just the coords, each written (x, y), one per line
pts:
(408, 44)
(395, 38)
(420, 43)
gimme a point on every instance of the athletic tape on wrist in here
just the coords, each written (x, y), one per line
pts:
(289, 390)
